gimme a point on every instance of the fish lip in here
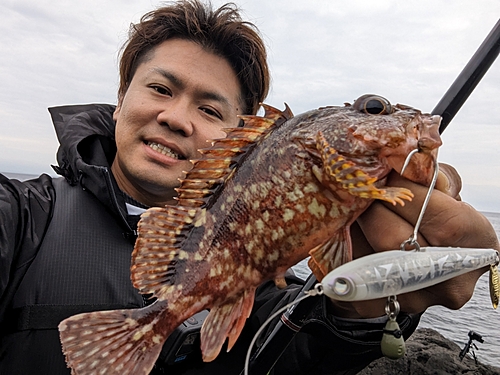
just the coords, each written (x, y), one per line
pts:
(182, 155)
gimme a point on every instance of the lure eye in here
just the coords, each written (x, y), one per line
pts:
(341, 286)
(373, 105)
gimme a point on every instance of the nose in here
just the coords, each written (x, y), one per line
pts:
(177, 117)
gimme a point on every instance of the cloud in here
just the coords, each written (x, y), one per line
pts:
(322, 52)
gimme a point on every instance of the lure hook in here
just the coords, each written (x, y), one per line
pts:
(407, 160)
(413, 238)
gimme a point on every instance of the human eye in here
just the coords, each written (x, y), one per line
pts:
(162, 90)
(212, 112)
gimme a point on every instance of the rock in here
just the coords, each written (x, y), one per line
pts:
(429, 353)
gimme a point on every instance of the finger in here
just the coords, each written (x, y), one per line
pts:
(443, 214)
(359, 309)
(384, 229)
(449, 181)
(360, 245)
(446, 221)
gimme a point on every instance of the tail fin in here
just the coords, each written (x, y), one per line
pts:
(111, 342)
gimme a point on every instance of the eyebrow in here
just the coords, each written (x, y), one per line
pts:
(202, 94)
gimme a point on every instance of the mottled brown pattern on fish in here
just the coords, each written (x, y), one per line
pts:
(256, 203)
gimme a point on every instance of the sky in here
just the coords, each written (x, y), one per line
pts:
(321, 52)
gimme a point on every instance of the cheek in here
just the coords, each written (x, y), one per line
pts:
(209, 134)
(132, 110)
(126, 132)
(128, 124)
(218, 133)
(119, 134)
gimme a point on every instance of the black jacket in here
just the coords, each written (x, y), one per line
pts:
(65, 248)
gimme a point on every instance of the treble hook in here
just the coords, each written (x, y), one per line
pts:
(413, 238)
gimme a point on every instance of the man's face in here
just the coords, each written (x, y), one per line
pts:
(178, 99)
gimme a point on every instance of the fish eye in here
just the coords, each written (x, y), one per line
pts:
(373, 105)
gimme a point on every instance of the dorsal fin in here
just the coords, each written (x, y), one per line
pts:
(273, 113)
(162, 231)
(218, 162)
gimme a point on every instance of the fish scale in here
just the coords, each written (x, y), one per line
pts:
(271, 193)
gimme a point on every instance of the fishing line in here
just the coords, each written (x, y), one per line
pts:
(316, 291)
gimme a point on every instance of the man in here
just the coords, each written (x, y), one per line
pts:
(65, 244)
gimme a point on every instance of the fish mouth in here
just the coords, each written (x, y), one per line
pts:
(164, 150)
(429, 138)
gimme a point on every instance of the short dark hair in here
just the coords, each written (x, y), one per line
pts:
(220, 31)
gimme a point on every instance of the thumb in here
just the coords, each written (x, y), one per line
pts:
(449, 181)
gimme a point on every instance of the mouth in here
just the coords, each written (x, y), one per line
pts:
(164, 150)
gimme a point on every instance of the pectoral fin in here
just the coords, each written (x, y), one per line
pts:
(331, 254)
(353, 179)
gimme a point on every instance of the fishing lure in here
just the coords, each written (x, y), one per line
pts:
(395, 272)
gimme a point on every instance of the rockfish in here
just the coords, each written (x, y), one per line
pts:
(271, 193)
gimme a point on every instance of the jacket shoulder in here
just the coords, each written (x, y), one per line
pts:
(26, 209)
(37, 193)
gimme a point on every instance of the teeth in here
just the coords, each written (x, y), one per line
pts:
(164, 150)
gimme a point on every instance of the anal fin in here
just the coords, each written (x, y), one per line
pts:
(331, 254)
(225, 320)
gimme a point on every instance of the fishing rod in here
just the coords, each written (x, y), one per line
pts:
(468, 79)
(268, 353)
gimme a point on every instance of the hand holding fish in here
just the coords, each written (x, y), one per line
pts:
(447, 222)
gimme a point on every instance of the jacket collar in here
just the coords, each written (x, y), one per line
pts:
(86, 135)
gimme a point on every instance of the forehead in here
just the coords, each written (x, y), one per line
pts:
(195, 65)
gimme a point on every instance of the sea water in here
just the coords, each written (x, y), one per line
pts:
(477, 315)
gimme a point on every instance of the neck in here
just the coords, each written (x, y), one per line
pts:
(145, 196)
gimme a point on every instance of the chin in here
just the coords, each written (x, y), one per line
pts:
(160, 183)
(155, 179)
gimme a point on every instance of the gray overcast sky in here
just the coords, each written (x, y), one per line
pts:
(322, 52)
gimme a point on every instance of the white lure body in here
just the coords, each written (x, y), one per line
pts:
(396, 272)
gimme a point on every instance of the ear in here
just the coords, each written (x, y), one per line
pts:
(118, 108)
